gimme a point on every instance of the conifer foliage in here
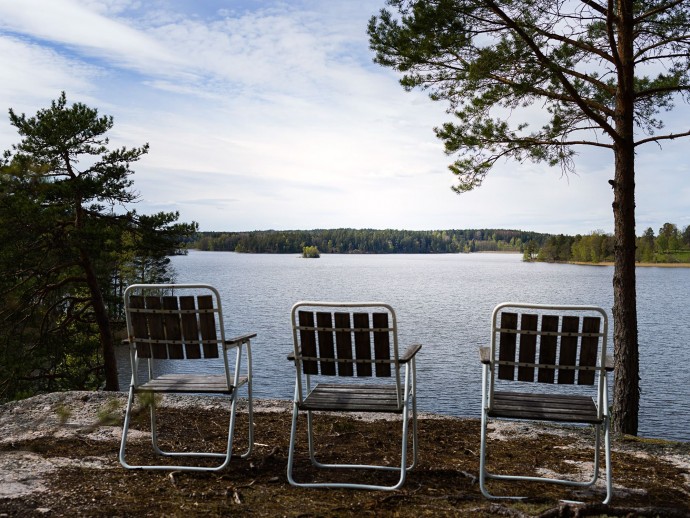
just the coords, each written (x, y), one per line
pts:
(601, 71)
(69, 243)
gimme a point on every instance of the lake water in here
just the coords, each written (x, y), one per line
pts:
(444, 302)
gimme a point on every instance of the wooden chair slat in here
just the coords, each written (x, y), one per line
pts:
(173, 329)
(548, 345)
(343, 340)
(207, 326)
(308, 342)
(362, 343)
(568, 352)
(362, 398)
(544, 407)
(184, 383)
(528, 346)
(382, 350)
(190, 327)
(589, 349)
(139, 327)
(156, 328)
(326, 347)
(507, 346)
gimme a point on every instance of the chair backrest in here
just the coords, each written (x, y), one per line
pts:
(165, 324)
(548, 344)
(345, 339)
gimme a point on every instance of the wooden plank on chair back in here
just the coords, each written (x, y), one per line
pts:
(577, 353)
(343, 341)
(156, 327)
(139, 327)
(339, 341)
(308, 340)
(362, 344)
(589, 348)
(528, 347)
(382, 347)
(564, 351)
(190, 327)
(548, 348)
(174, 328)
(568, 353)
(507, 346)
(207, 326)
(321, 356)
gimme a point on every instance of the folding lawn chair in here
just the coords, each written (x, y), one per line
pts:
(560, 351)
(337, 346)
(183, 323)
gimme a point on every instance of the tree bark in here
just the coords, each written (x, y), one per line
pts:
(626, 382)
(101, 314)
(626, 364)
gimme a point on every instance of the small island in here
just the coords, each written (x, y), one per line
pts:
(310, 252)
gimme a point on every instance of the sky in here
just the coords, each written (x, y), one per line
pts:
(272, 115)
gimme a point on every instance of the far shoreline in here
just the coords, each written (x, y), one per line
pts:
(643, 265)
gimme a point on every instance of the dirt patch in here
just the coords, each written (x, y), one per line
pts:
(56, 461)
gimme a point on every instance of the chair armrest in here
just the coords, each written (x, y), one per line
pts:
(608, 362)
(485, 355)
(291, 356)
(239, 340)
(409, 353)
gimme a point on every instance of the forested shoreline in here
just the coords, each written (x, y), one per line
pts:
(369, 241)
(669, 246)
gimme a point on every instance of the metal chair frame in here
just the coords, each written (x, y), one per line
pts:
(600, 421)
(404, 401)
(141, 348)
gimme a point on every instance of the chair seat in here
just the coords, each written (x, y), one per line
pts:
(185, 383)
(544, 407)
(352, 398)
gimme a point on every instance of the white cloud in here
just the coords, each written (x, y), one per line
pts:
(272, 115)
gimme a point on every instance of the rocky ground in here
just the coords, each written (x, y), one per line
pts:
(58, 457)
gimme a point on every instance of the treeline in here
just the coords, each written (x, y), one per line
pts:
(369, 241)
(670, 245)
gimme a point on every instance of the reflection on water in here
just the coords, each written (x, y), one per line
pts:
(445, 303)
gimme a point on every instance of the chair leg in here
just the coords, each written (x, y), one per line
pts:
(414, 433)
(607, 456)
(291, 448)
(227, 456)
(484, 473)
(154, 431)
(250, 424)
(125, 429)
(312, 455)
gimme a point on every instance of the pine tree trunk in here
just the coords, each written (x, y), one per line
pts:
(627, 378)
(101, 314)
(626, 383)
